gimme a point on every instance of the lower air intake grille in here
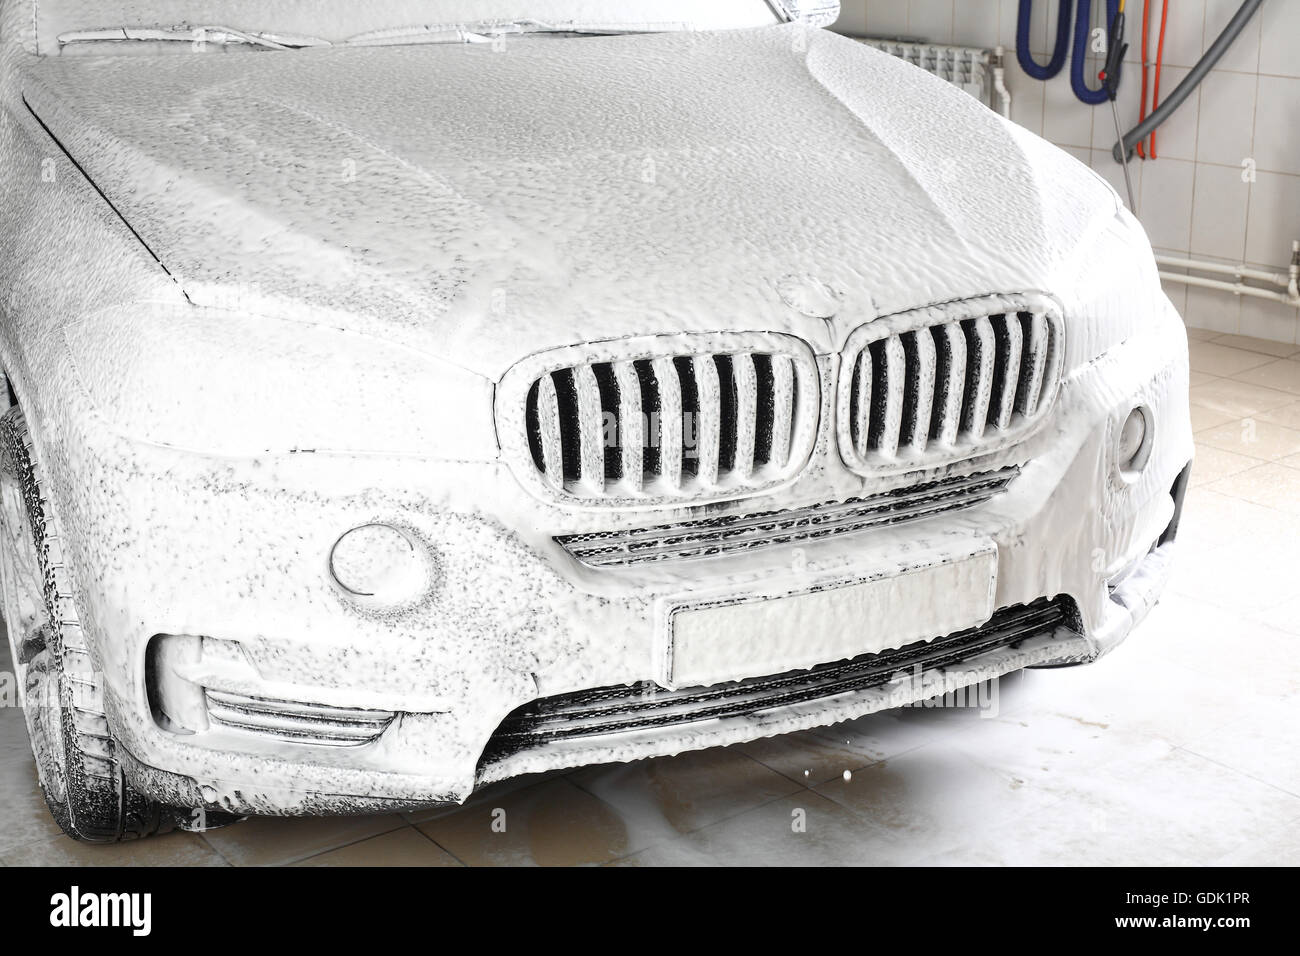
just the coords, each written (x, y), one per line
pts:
(924, 389)
(296, 722)
(644, 706)
(731, 534)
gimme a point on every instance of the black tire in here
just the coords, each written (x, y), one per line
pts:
(74, 747)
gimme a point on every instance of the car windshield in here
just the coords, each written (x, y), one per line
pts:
(309, 23)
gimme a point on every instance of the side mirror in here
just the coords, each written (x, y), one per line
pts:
(817, 13)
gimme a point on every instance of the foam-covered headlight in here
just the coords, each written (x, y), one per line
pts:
(1110, 291)
(228, 383)
(379, 562)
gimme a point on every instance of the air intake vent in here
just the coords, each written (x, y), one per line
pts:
(734, 534)
(736, 415)
(296, 722)
(630, 709)
(944, 390)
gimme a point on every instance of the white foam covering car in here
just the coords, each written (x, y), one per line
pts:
(407, 395)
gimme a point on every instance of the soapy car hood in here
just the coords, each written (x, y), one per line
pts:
(484, 205)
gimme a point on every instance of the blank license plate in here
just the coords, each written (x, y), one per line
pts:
(757, 637)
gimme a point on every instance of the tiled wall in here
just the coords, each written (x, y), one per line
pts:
(1193, 199)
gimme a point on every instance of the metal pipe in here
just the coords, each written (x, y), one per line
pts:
(1290, 281)
(1238, 271)
(1236, 288)
(1190, 82)
(1000, 82)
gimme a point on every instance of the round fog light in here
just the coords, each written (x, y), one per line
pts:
(1133, 447)
(378, 561)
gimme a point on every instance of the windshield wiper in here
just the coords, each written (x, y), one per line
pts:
(187, 34)
(482, 31)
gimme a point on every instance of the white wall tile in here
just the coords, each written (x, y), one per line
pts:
(1099, 22)
(1274, 218)
(853, 17)
(1026, 100)
(1184, 32)
(1212, 309)
(1227, 120)
(1277, 122)
(1219, 208)
(1007, 22)
(1078, 152)
(1279, 30)
(931, 19)
(1166, 209)
(1243, 55)
(1066, 121)
(1133, 37)
(1042, 28)
(975, 23)
(1274, 321)
(1176, 136)
(887, 17)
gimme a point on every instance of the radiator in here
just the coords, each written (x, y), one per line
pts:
(975, 70)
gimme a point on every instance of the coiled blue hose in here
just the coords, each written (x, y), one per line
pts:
(1023, 54)
(1082, 30)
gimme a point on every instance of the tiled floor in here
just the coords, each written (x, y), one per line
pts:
(1179, 748)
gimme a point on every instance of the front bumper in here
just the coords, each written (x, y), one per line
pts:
(513, 618)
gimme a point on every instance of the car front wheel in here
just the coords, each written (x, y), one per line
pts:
(61, 691)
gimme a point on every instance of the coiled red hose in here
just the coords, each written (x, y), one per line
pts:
(1160, 59)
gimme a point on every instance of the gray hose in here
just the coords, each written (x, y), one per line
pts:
(1190, 82)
